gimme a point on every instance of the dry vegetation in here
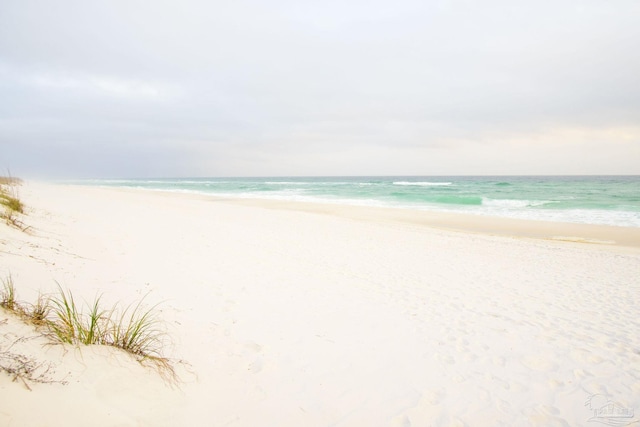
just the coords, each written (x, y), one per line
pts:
(10, 200)
(21, 367)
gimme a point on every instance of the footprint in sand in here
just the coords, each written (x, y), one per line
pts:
(493, 380)
(252, 347)
(555, 384)
(256, 366)
(585, 357)
(545, 415)
(538, 363)
(253, 352)
(432, 397)
(444, 358)
(581, 373)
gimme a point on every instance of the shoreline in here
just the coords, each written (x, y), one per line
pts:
(471, 223)
(580, 233)
(581, 199)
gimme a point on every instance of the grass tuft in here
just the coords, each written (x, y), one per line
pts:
(133, 329)
(73, 326)
(10, 199)
(12, 203)
(66, 317)
(39, 312)
(91, 332)
(137, 331)
(8, 295)
(9, 180)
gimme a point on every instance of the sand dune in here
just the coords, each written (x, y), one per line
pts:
(292, 314)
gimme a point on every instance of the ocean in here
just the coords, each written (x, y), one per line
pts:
(610, 200)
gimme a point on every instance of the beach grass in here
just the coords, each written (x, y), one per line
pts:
(137, 330)
(39, 312)
(12, 203)
(134, 328)
(66, 321)
(8, 295)
(10, 199)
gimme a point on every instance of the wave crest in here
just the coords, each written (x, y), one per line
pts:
(422, 184)
(513, 203)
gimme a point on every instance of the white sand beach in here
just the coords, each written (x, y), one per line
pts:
(285, 314)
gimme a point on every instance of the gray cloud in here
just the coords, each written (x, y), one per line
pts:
(247, 88)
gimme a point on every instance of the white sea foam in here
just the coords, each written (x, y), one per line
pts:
(581, 216)
(296, 183)
(513, 203)
(289, 183)
(423, 183)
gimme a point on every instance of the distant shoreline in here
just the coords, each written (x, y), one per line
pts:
(594, 234)
(598, 200)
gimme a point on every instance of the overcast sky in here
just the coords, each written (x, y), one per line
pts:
(283, 87)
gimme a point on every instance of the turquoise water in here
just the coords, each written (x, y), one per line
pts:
(612, 200)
